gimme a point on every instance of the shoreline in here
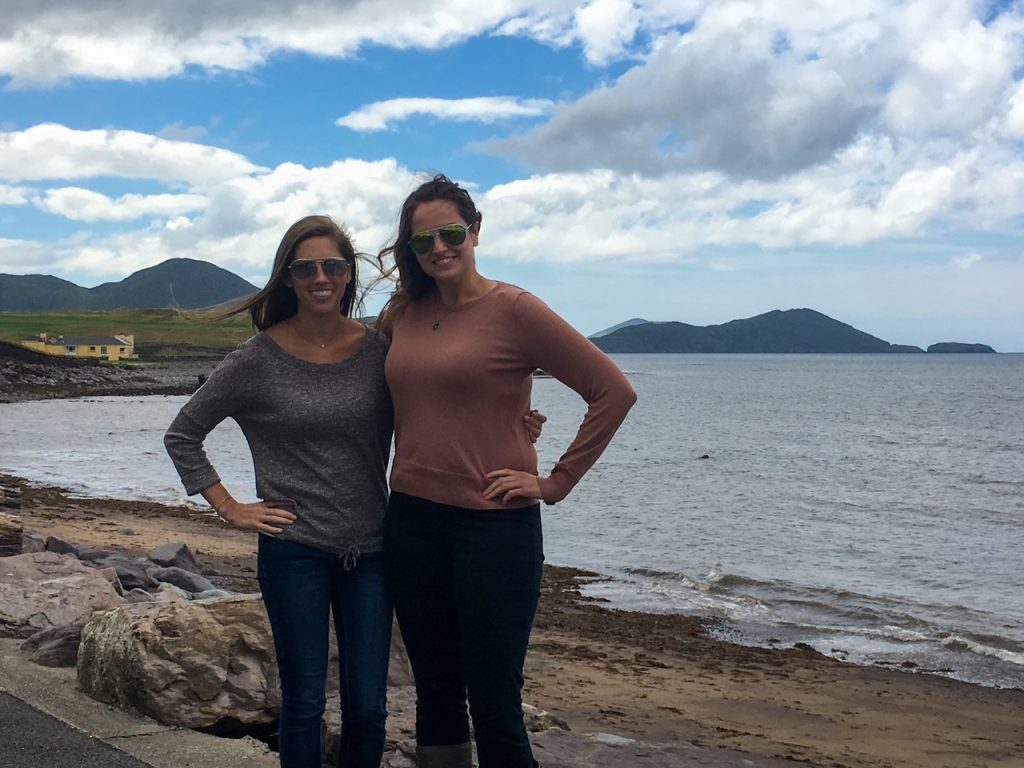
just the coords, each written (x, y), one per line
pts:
(660, 678)
(24, 380)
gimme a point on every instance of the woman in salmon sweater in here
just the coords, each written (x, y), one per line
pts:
(463, 543)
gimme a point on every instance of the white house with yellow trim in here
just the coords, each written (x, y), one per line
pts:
(113, 348)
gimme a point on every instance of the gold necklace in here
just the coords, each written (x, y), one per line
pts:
(311, 343)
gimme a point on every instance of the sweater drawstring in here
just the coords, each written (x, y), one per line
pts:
(349, 559)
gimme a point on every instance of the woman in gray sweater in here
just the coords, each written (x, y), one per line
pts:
(309, 394)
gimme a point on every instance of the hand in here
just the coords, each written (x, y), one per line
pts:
(511, 484)
(259, 516)
(534, 422)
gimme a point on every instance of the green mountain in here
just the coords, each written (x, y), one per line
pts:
(959, 348)
(623, 324)
(40, 293)
(184, 283)
(792, 331)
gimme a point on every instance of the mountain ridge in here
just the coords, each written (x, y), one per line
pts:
(791, 331)
(180, 282)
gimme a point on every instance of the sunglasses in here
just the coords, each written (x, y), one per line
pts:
(450, 234)
(303, 269)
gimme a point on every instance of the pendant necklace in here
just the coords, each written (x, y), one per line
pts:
(441, 315)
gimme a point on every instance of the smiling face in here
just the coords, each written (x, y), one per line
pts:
(446, 264)
(319, 293)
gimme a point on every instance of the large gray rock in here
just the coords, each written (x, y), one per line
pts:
(199, 664)
(179, 577)
(32, 542)
(176, 555)
(43, 589)
(132, 574)
(61, 546)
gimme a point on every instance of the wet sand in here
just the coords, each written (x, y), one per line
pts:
(654, 677)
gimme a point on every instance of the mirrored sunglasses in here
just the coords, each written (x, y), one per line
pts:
(451, 234)
(303, 269)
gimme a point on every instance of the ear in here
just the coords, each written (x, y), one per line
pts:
(475, 234)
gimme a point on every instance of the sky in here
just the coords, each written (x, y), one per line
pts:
(671, 160)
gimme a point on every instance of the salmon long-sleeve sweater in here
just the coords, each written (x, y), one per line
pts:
(460, 392)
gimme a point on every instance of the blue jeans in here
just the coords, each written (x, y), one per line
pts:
(466, 584)
(301, 587)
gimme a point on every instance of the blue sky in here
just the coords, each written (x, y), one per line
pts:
(672, 160)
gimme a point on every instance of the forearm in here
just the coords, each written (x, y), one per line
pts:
(218, 497)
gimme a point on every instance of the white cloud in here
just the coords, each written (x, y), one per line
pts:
(954, 76)
(485, 109)
(236, 224)
(606, 27)
(25, 257)
(13, 195)
(47, 42)
(52, 151)
(967, 260)
(765, 89)
(79, 204)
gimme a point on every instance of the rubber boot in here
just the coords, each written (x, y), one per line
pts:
(447, 756)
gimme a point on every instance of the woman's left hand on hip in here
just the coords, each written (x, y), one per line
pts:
(511, 484)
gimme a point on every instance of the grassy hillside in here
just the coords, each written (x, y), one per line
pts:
(159, 333)
(185, 283)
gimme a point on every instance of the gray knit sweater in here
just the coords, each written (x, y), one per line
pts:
(320, 436)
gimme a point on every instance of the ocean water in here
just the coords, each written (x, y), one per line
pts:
(870, 506)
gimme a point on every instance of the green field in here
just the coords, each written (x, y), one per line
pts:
(159, 333)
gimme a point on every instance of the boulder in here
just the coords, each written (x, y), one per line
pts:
(56, 646)
(176, 555)
(32, 542)
(133, 575)
(206, 665)
(88, 554)
(179, 577)
(43, 589)
(139, 596)
(168, 593)
(60, 546)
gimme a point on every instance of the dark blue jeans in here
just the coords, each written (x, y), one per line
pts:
(301, 587)
(465, 584)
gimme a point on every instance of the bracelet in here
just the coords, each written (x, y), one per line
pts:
(216, 508)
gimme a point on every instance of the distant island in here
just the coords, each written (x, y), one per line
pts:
(780, 331)
(182, 283)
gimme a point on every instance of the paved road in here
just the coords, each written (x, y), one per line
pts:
(31, 739)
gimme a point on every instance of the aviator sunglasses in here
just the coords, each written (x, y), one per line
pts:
(303, 269)
(451, 234)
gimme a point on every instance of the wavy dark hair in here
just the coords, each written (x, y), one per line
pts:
(413, 283)
(276, 300)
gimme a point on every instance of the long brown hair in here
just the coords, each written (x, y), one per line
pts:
(413, 283)
(276, 300)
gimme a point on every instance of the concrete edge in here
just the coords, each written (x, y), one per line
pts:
(55, 692)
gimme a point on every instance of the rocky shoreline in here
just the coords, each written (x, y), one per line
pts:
(27, 375)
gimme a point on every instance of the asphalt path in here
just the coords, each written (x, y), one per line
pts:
(31, 739)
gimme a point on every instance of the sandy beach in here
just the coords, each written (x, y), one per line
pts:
(654, 677)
